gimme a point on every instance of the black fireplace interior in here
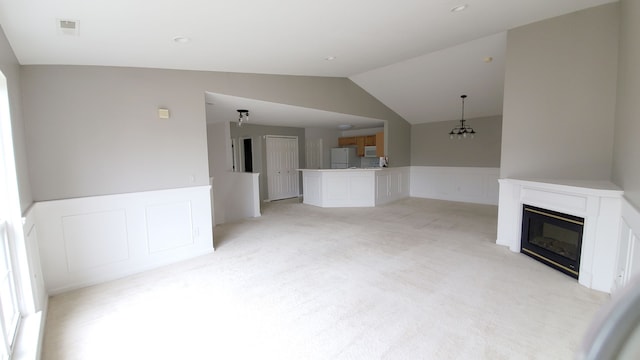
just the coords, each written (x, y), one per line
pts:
(552, 238)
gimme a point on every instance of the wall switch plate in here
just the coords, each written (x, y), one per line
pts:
(163, 113)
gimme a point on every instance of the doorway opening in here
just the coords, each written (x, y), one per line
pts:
(247, 154)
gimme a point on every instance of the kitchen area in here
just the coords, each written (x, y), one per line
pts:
(359, 176)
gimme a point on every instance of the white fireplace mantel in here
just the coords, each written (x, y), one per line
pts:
(598, 202)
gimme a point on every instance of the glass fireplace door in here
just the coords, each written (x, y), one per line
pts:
(552, 238)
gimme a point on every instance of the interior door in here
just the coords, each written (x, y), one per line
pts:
(282, 165)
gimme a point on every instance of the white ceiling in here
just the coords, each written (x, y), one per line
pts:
(415, 56)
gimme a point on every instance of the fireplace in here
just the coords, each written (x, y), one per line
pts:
(552, 238)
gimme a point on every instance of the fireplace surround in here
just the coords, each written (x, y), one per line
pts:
(597, 202)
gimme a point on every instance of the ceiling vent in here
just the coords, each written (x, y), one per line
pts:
(68, 27)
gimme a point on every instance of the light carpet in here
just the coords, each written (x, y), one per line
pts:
(415, 279)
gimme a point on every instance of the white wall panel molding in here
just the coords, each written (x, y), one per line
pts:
(628, 255)
(392, 184)
(89, 240)
(465, 184)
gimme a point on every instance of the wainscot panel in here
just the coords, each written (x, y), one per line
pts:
(89, 240)
(628, 255)
(465, 184)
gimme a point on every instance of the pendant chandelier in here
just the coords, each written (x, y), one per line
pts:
(243, 116)
(462, 131)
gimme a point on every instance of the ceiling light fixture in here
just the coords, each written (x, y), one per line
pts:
(243, 116)
(330, 58)
(459, 8)
(345, 126)
(462, 130)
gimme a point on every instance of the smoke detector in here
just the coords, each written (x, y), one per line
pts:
(68, 27)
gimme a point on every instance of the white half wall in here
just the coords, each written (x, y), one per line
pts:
(89, 240)
(243, 200)
(464, 184)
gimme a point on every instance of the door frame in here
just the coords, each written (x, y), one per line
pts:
(267, 167)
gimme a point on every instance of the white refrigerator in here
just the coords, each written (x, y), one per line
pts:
(344, 158)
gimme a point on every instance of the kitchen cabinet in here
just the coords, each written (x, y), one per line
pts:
(360, 144)
(380, 144)
(354, 187)
(370, 140)
(347, 141)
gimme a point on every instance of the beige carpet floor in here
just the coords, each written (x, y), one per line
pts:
(415, 279)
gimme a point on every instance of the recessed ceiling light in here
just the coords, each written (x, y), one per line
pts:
(181, 39)
(459, 8)
(488, 59)
(345, 126)
(330, 58)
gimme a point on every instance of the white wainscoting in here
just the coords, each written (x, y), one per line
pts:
(465, 184)
(39, 292)
(89, 240)
(628, 255)
(392, 184)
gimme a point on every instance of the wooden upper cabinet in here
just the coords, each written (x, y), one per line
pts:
(347, 141)
(370, 140)
(380, 144)
(360, 142)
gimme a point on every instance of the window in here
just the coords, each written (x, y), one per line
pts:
(9, 311)
(9, 216)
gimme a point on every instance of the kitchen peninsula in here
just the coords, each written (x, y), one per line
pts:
(355, 187)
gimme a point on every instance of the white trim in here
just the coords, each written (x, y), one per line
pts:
(86, 241)
(464, 184)
(628, 251)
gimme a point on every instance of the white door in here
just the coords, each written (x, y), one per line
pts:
(282, 165)
(313, 149)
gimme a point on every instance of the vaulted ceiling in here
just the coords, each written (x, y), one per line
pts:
(416, 56)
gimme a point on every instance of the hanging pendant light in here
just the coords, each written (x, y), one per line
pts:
(243, 116)
(462, 131)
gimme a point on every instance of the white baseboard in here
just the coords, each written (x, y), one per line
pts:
(465, 184)
(90, 240)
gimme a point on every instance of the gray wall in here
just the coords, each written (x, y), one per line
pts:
(560, 95)
(11, 70)
(431, 146)
(94, 130)
(256, 132)
(329, 140)
(626, 163)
